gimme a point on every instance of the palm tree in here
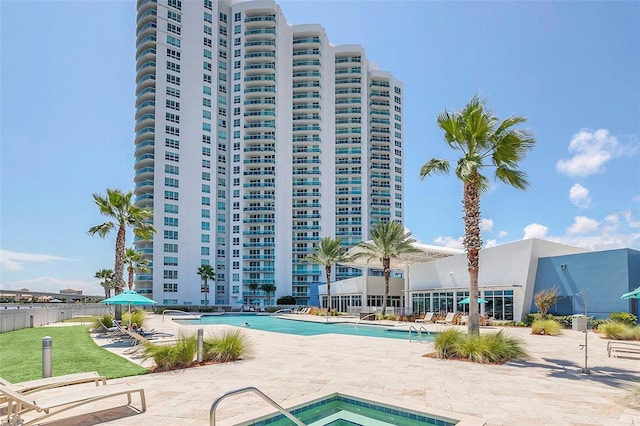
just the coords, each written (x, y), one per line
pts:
(206, 273)
(268, 288)
(329, 251)
(388, 240)
(117, 206)
(135, 262)
(253, 287)
(484, 142)
(107, 281)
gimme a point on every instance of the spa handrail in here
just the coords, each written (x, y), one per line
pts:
(212, 411)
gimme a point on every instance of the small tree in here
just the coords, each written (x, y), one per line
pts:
(206, 273)
(268, 288)
(135, 262)
(107, 281)
(545, 299)
(254, 287)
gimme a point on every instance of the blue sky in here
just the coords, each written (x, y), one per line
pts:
(572, 68)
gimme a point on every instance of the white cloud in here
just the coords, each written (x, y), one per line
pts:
(502, 234)
(583, 225)
(630, 219)
(449, 242)
(579, 196)
(535, 230)
(589, 233)
(15, 261)
(490, 243)
(54, 285)
(486, 225)
(591, 151)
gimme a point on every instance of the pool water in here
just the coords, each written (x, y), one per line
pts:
(343, 410)
(303, 328)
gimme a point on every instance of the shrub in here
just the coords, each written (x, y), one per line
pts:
(547, 326)
(136, 316)
(474, 348)
(231, 346)
(595, 323)
(504, 348)
(566, 321)
(494, 347)
(170, 357)
(106, 319)
(615, 330)
(634, 333)
(624, 317)
(446, 342)
(286, 300)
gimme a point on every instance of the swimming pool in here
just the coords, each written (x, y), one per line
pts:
(303, 328)
(339, 409)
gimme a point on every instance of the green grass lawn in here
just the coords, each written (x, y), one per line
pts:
(73, 351)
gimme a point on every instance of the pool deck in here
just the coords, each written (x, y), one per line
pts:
(550, 388)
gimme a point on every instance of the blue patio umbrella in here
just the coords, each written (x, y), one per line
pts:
(635, 294)
(129, 297)
(466, 301)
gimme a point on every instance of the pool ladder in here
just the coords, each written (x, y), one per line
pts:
(212, 411)
(418, 331)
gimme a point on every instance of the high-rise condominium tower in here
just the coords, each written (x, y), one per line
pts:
(254, 139)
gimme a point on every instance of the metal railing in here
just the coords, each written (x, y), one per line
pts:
(282, 310)
(212, 411)
(418, 332)
(177, 311)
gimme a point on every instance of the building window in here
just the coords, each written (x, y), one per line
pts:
(170, 235)
(171, 288)
(173, 41)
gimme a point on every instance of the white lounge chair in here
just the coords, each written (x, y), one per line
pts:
(19, 404)
(428, 317)
(54, 382)
(448, 320)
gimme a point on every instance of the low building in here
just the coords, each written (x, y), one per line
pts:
(510, 275)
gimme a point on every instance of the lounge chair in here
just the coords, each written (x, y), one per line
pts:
(20, 404)
(448, 320)
(623, 349)
(463, 320)
(36, 385)
(428, 317)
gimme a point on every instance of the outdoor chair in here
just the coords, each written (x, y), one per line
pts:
(37, 385)
(463, 320)
(428, 317)
(448, 320)
(20, 404)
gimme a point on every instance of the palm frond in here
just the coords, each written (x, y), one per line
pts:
(434, 166)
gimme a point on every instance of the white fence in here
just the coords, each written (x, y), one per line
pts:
(17, 317)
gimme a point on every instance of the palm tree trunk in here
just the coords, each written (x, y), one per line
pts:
(472, 245)
(327, 270)
(386, 265)
(119, 261)
(118, 268)
(206, 291)
(130, 282)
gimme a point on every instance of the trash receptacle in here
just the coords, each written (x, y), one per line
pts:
(579, 322)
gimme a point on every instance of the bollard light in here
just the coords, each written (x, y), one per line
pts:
(47, 359)
(200, 343)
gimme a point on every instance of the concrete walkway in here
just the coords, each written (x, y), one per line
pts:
(548, 389)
